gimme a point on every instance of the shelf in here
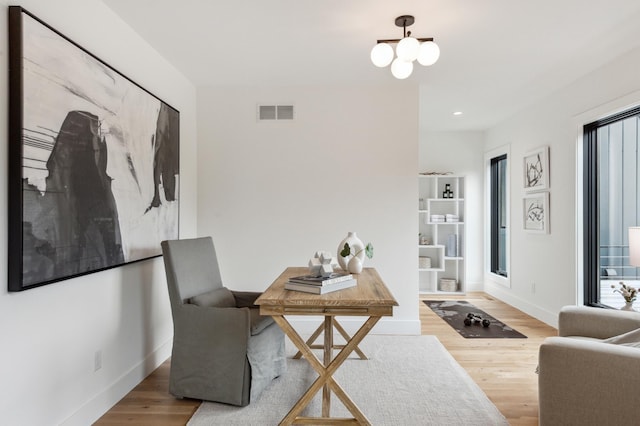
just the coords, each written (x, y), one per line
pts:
(430, 189)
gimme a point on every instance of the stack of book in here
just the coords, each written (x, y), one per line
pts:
(321, 285)
(452, 218)
(437, 218)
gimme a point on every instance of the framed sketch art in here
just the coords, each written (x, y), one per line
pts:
(536, 212)
(536, 169)
(93, 161)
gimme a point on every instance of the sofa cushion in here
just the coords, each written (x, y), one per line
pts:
(219, 298)
(631, 338)
(588, 339)
(259, 322)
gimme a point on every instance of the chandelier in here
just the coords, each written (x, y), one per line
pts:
(408, 49)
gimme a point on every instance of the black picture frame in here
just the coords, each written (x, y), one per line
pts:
(93, 161)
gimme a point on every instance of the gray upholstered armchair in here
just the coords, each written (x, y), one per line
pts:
(223, 350)
(590, 373)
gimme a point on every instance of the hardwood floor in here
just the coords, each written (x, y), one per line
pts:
(503, 368)
(150, 404)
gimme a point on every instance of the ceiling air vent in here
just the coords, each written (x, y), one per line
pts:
(275, 112)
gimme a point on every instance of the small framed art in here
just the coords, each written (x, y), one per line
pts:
(536, 169)
(535, 211)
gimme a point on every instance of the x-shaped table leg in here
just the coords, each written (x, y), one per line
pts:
(325, 378)
(317, 333)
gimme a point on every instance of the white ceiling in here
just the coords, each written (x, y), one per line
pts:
(497, 56)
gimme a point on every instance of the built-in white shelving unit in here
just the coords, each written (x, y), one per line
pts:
(441, 242)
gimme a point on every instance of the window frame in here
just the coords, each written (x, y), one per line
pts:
(490, 277)
(590, 206)
(496, 219)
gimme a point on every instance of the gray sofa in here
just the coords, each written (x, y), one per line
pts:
(223, 350)
(590, 373)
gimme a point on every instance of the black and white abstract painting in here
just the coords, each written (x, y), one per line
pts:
(536, 212)
(536, 169)
(93, 161)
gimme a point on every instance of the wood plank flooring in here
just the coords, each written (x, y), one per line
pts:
(503, 368)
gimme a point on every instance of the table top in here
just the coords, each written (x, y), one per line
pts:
(371, 292)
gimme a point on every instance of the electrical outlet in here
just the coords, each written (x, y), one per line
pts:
(533, 287)
(97, 360)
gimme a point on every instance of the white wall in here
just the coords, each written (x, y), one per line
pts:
(550, 261)
(462, 154)
(50, 334)
(271, 194)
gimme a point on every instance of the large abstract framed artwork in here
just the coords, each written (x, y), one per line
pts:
(93, 161)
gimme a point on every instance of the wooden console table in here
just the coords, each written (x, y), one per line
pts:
(369, 298)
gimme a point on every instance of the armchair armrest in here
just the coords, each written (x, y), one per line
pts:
(246, 299)
(587, 382)
(596, 322)
(212, 326)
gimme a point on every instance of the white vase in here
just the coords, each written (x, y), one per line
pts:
(628, 306)
(356, 246)
(355, 265)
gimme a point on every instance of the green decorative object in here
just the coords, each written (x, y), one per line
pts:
(355, 264)
(346, 251)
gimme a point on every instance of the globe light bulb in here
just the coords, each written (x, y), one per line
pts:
(428, 53)
(407, 49)
(401, 69)
(381, 55)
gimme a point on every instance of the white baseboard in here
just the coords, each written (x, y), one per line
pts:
(546, 316)
(307, 325)
(93, 409)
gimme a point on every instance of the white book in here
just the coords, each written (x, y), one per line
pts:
(316, 289)
(452, 218)
(452, 246)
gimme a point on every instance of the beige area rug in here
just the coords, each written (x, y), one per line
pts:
(408, 380)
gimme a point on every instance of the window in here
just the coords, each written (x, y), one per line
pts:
(611, 204)
(499, 211)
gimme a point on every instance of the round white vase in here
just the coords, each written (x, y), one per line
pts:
(628, 306)
(356, 246)
(355, 265)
